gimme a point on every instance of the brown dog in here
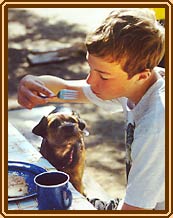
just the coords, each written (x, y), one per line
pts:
(63, 143)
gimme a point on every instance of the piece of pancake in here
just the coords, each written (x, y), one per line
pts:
(17, 186)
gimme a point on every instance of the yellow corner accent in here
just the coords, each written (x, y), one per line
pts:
(160, 13)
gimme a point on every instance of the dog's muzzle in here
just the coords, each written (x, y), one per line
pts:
(71, 129)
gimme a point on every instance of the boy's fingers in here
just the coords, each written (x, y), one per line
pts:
(41, 89)
(32, 92)
(29, 99)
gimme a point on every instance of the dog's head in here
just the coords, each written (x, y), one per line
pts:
(62, 132)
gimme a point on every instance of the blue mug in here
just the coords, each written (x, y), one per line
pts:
(52, 191)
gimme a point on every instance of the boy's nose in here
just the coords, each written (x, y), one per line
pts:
(91, 79)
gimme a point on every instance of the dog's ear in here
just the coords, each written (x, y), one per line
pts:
(41, 128)
(74, 113)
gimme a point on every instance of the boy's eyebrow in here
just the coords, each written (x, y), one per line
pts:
(96, 69)
(102, 72)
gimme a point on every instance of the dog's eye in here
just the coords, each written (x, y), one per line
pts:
(82, 124)
(72, 120)
(55, 124)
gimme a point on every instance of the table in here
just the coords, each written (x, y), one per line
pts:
(19, 149)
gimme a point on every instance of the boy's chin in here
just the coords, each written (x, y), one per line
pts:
(105, 98)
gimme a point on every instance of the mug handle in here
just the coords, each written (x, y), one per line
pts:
(67, 198)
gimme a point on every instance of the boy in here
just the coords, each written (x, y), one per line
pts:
(123, 54)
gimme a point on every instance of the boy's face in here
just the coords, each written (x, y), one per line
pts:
(107, 80)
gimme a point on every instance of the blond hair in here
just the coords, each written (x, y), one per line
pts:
(131, 37)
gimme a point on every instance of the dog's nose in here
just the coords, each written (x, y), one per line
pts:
(69, 124)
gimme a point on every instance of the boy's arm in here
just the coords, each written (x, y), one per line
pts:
(55, 84)
(32, 87)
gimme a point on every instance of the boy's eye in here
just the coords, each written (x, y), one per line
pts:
(103, 78)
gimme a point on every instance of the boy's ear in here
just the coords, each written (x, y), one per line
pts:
(144, 74)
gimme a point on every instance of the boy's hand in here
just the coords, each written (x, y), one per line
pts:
(30, 90)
